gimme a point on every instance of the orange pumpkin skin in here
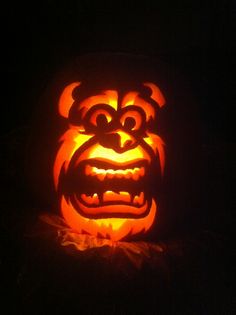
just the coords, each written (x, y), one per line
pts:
(59, 124)
(105, 160)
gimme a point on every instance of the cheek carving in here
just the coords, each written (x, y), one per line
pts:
(71, 141)
(157, 145)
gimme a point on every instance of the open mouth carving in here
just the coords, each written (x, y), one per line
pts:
(110, 189)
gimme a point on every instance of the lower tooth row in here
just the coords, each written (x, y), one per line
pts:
(124, 196)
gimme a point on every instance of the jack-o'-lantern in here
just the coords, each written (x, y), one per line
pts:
(106, 157)
(112, 149)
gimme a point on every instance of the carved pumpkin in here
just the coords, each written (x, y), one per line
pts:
(103, 166)
(98, 144)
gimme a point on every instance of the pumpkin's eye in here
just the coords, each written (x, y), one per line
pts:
(100, 118)
(131, 120)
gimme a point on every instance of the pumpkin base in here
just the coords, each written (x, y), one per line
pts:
(137, 252)
(119, 277)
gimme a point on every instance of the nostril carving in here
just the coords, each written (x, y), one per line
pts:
(116, 142)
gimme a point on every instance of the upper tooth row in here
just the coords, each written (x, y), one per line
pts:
(101, 173)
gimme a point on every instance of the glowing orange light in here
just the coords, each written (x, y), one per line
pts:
(158, 146)
(66, 99)
(121, 196)
(106, 154)
(136, 115)
(114, 228)
(109, 97)
(93, 118)
(125, 212)
(133, 98)
(71, 141)
(156, 95)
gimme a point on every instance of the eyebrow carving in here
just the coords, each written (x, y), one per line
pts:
(66, 100)
(133, 98)
(156, 95)
(110, 97)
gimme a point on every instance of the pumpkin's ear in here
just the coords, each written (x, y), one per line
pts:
(156, 95)
(66, 99)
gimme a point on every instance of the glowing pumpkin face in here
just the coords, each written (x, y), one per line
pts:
(105, 160)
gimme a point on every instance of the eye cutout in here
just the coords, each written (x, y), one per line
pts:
(99, 117)
(133, 118)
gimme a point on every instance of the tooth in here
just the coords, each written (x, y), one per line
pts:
(119, 174)
(90, 200)
(141, 198)
(94, 170)
(126, 196)
(110, 173)
(87, 199)
(83, 197)
(88, 170)
(108, 195)
(132, 197)
(101, 176)
(142, 171)
(128, 174)
(116, 196)
(136, 200)
(135, 175)
(95, 199)
(99, 170)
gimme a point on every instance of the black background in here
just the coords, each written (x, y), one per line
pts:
(196, 37)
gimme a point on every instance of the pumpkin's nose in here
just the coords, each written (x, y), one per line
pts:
(119, 141)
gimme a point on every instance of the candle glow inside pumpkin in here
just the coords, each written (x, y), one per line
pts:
(103, 165)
